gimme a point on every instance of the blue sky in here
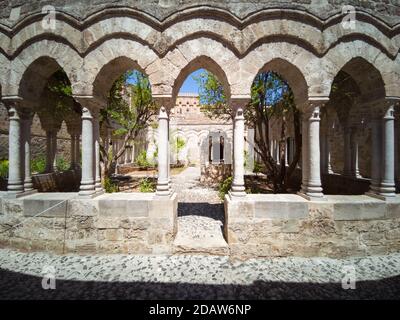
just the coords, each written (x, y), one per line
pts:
(188, 86)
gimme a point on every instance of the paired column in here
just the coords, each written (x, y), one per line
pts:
(311, 180)
(26, 149)
(49, 150)
(163, 188)
(238, 188)
(347, 168)
(87, 187)
(387, 187)
(355, 171)
(15, 177)
(96, 137)
(382, 169)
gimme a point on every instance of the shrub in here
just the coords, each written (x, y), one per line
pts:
(3, 169)
(257, 167)
(224, 187)
(146, 185)
(141, 159)
(38, 165)
(110, 186)
(62, 164)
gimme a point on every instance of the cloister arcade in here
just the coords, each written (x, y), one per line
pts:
(355, 138)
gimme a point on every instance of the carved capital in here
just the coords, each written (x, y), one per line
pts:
(164, 100)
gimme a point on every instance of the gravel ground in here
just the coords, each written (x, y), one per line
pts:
(194, 277)
(200, 216)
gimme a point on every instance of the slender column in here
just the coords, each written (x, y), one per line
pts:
(347, 172)
(73, 150)
(376, 155)
(163, 179)
(304, 152)
(311, 187)
(49, 159)
(354, 154)
(238, 188)
(54, 150)
(26, 139)
(77, 151)
(87, 187)
(15, 179)
(387, 186)
(169, 158)
(96, 137)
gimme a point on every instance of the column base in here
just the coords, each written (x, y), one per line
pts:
(384, 197)
(236, 194)
(312, 196)
(15, 195)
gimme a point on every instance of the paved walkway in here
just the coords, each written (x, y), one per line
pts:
(200, 216)
(194, 277)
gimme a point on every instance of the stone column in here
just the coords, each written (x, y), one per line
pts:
(304, 153)
(87, 187)
(311, 187)
(163, 179)
(73, 150)
(376, 137)
(387, 186)
(15, 178)
(354, 154)
(26, 140)
(54, 149)
(96, 137)
(347, 166)
(238, 188)
(49, 158)
(77, 150)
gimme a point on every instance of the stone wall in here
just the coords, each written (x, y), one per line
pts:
(112, 223)
(287, 225)
(160, 9)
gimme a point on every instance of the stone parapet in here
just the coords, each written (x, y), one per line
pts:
(134, 223)
(288, 225)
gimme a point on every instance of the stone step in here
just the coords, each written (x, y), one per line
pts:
(200, 235)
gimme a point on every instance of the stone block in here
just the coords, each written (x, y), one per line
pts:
(163, 208)
(280, 210)
(359, 211)
(114, 234)
(45, 208)
(82, 207)
(393, 210)
(124, 207)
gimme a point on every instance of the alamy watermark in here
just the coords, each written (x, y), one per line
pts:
(349, 277)
(49, 278)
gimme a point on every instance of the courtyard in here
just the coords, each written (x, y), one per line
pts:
(195, 149)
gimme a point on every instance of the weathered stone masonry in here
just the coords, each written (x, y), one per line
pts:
(303, 41)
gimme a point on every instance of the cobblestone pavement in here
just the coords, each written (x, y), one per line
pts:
(185, 276)
(194, 277)
(200, 216)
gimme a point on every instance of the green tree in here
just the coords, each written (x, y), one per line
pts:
(271, 98)
(126, 117)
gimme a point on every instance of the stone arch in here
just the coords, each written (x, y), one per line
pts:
(4, 72)
(293, 62)
(41, 60)
(367, 78)
(345, 55)
(108, 61)
(201, 62)
(291, 74)
(190, 55)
